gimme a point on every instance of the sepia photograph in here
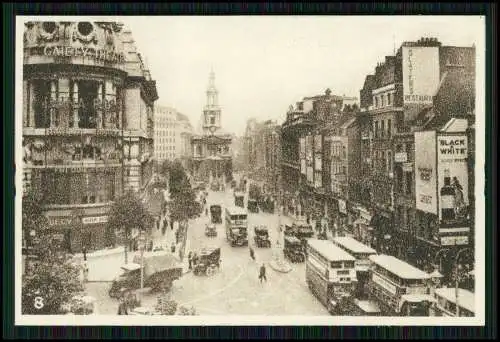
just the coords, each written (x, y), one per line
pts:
(242, 170)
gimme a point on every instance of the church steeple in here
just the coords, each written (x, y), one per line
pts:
(211, 113)
(212, 93)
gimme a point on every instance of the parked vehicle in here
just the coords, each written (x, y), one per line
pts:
(160, 270)
(239, 199)
(216, 213)
(253, 206)
(302, 230)
(210, 230)
(207, 261)
(261, 236)
(293, 249)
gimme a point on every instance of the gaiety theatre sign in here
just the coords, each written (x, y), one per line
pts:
(86, 52)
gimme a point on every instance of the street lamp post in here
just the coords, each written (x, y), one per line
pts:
(142, 245)
(457, 259)
(440, 258)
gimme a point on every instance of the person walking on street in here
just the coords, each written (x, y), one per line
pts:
(262, 273)
(84, 250)
(190, 260)
(122, 307)
(252, 253)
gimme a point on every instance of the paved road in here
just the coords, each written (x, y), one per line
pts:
(235, 289)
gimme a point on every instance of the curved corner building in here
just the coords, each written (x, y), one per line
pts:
(88, 103)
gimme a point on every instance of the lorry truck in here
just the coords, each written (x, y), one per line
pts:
(160, 270)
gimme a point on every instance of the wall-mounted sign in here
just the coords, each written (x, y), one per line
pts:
(407, 167)
(85, 52)
(60, 221)
(94, 220)
(452, 147)
(400, 157)
(454, 240)
(420, 73)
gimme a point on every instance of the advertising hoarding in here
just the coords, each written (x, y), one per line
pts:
(420, 73)
(425, 172)
(453, 180)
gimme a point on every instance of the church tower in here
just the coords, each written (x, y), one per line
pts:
(211, 111)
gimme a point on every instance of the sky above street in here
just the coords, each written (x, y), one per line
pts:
(263, 64)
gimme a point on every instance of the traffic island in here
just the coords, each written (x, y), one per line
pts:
(280, 265)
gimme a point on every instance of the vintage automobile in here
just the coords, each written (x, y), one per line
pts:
(302, 229)
(261, 236)
(211, 230)
(322, 235)
(294, 249)
(216, 213)
(206, 261)
(239, 199)
(253, 206)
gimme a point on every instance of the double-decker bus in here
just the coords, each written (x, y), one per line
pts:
(448, 298)
(400, 288)
(362, 264)
(330, 274)
(236, 226)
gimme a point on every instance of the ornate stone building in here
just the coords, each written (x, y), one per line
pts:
(87, 123)
(212, 157)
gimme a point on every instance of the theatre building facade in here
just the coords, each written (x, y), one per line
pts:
(88, 103)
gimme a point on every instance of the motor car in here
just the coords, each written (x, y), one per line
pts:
(210, 230)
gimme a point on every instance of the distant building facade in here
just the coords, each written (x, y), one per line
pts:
(166, 131)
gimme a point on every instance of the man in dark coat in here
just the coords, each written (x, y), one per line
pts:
(190, 260)
(262, 273)
(252, 254)
(84, 250)
(122, 307)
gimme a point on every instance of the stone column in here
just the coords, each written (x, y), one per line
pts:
(75, 104)
(26, 105)
(100, 108)
(31, 106)
(53, 101)
(64, 97)
(109, 110)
